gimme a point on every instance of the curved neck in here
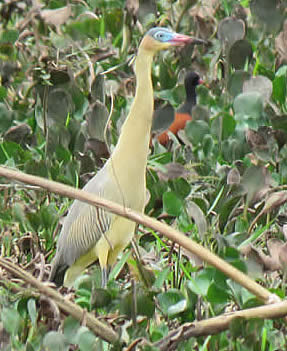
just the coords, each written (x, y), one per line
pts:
(132, 149)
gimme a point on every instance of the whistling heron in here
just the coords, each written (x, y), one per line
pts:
(183, 114)
(90, 233)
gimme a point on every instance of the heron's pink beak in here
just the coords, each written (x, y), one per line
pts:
(181, 39)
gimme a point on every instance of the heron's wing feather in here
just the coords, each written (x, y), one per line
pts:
(86, 231)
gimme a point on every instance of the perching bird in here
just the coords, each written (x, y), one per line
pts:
(90, 233)
(183, 114)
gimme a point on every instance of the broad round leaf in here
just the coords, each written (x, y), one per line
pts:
(172, 204)
(200, 284)
(195, 131)
(11, 320)
(268, 12)
(230, 30)
(235, 82)
(240, 53)
(248, 108)
(172, 302)
(259, 84)
(54, 341)
(216, 294)
(223, 126)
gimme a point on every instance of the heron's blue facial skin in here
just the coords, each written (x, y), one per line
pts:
(162, 35)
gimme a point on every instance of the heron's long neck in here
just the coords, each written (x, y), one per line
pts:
(133, 144)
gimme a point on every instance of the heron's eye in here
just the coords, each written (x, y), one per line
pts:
(159, 36)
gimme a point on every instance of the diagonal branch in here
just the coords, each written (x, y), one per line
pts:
(173, 234)
(218, 324)
(102, 330)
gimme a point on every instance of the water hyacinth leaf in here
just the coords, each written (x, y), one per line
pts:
(32, 310)
(195, 131)
(162, 118)
(54, 341)
(166, 77)
(200, 284)
(230, 30)
(98, 88)
(172, 302)
(216, 294)
(57, 16)
(144, 303)
(6, 117)
(259, 84)
(235, 82)
(87, 341)
(280, 85)
(248, 108)
(233, 177)
(71, 327)
(59, 105)
(207, 144)
(9, 36)
(3, 92)
(11, 320)
(200, 112)
(97, 117)
(89, 27)
(198, 216)
(223, 126)
(172, 204)
(226, 209)
(269, 13)
(172, 170)
(240, 53)
(181, 187)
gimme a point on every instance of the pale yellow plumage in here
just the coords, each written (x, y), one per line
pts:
(91, 233)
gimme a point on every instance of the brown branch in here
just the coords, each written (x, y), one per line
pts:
(174, 235)
(102, 330)
(218, 324)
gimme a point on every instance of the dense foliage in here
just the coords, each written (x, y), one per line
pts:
(66, 68)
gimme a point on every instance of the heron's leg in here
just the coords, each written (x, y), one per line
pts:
(105, 275)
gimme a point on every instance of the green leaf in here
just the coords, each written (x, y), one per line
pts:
(9, 36)
(71, 328)
(5, 118)
(3, 92)
(54, 341)
(200, 284)
(144, 301)
(32, 310)
(216, 294)
(223, 126)
(172, 204)
(172, 302)
(162, 276)
(181, 187)
(280, 85)
(196, 130)
(87, 341)
(11, 320)
(248, 108)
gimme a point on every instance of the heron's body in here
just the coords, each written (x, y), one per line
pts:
(90, 233)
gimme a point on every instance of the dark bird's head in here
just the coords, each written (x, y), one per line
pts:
(191, 81)
(158, 38)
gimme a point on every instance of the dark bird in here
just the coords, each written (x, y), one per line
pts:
(183, 114)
